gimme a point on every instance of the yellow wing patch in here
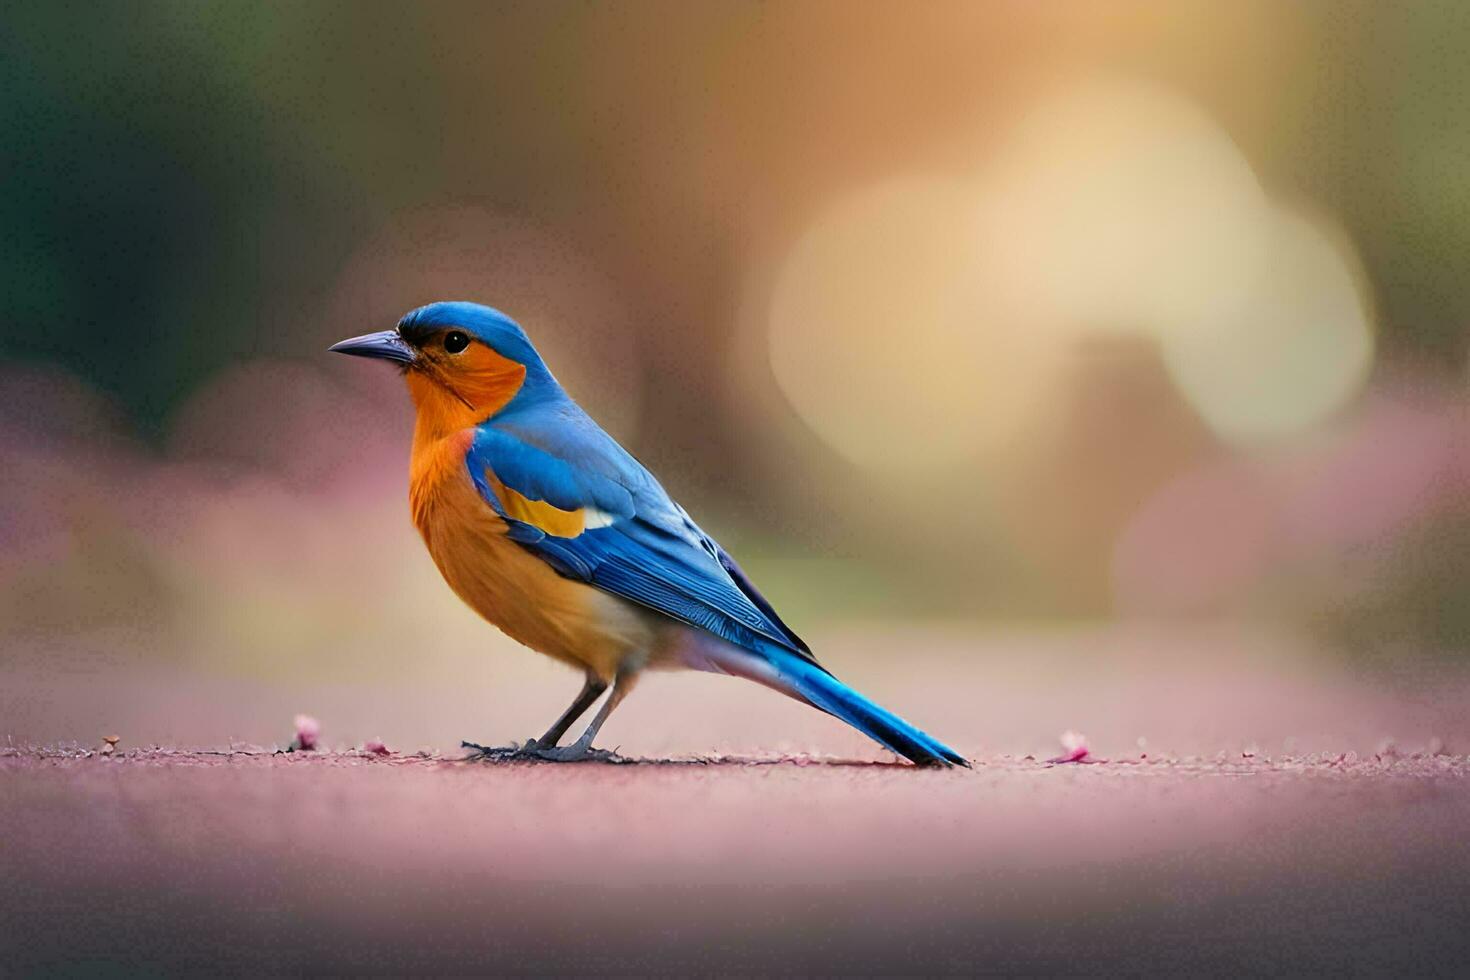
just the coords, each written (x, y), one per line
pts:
(538, 513)
(553, 520)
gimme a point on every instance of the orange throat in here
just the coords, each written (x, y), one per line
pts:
(451, 400)
(459, 394)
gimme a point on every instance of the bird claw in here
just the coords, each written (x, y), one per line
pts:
(533, 750)
(497, 753)
(573, 753)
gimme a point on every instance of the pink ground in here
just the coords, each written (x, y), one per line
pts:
(332, 862)
(1245, 816)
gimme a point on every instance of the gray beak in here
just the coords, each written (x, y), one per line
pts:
(385, 345)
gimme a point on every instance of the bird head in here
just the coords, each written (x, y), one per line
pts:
(463, 362)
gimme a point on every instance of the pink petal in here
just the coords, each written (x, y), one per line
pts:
(1074, 746)
(307, 731)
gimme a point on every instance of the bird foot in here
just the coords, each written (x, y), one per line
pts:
(533, 750)
(576, 752)
(498, 753)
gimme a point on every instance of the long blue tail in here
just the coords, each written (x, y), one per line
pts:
(805, 681)
(820, 689)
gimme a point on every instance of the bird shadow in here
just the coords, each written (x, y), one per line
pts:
(514, 755)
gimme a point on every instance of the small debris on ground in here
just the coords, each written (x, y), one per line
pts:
(1074, 748)
(109, 744)
(375, 746)
(308, 730)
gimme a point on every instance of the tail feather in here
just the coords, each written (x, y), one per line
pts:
(806, 681)
(821, 690)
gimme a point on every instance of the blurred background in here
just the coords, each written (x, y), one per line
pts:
(1007, 321)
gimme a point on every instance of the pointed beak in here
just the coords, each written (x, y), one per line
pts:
(385, 344)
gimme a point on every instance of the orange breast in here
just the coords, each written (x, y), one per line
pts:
(505, 583)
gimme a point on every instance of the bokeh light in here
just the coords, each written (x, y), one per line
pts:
(870, 336)
(1289, 350)
(1118, 204)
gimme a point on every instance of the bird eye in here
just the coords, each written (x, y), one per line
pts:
(456, 341)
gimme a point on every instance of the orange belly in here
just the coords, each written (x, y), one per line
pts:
(509, 586)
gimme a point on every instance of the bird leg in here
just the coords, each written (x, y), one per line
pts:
(582, 748)
(591, 690)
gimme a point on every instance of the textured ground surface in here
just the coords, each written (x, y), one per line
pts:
(311, 862)
(1251, 811)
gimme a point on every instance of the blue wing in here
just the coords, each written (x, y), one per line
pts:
(641, 546)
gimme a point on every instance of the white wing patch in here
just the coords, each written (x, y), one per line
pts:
(594, 518)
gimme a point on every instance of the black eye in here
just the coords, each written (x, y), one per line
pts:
(456, 341)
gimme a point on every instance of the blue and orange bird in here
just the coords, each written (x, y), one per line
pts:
(553, 532)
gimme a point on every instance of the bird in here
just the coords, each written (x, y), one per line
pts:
(548, 528)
